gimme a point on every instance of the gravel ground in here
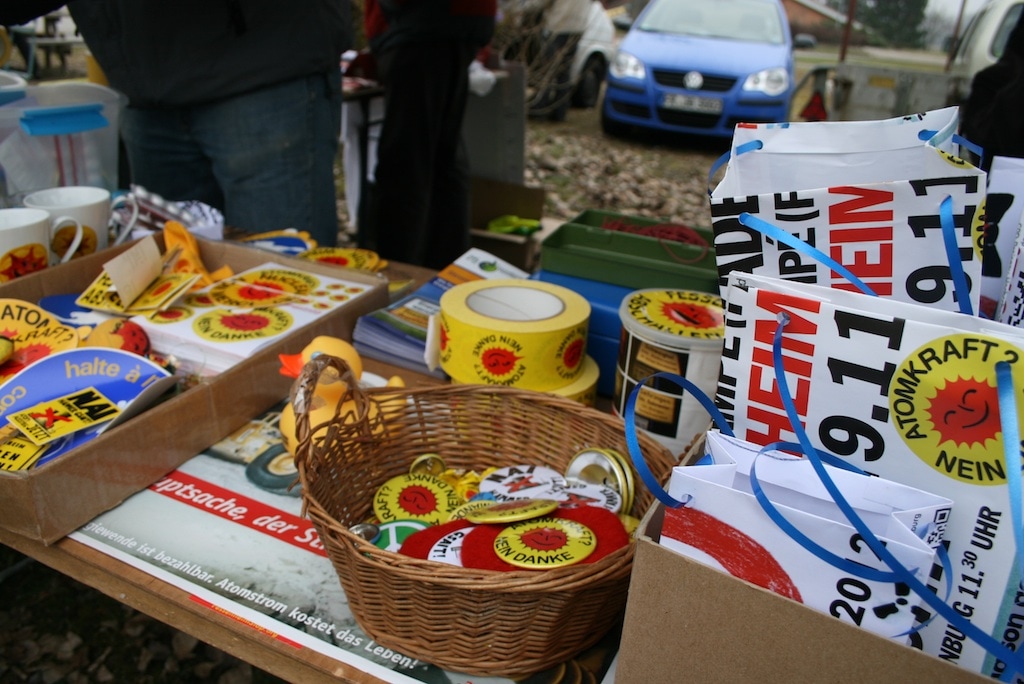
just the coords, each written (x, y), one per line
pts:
(651, 175)
(53, 629)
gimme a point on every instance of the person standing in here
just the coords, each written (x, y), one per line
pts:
(236, 103)
(419, 211)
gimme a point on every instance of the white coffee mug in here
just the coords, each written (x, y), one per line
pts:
(91, 207)
(25, 237)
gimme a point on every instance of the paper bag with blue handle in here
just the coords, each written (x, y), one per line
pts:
(721, 523)
(887, 201)
(923, 397)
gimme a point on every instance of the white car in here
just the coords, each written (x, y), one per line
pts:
(593, 55)
(985, 37)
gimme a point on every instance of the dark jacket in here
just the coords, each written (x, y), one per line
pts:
(992, 115)
(412, 21)
(168, 53)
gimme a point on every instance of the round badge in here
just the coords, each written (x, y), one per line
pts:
(574, 494)
(462, 511)
(425, 498)
(629, 522)
(427, 464)
(394, 532)
(504, 512)
(544, 543)
(519, 481)
(603, 467)
(448, 549)
(367, 531)
(629, 493)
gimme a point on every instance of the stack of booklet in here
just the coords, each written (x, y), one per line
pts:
(397, 334)
(210, 330)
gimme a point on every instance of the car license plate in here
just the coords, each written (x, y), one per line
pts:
(692, 103)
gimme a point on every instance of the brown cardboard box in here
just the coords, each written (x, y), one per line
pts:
(493, 198)
(686, 621)
(59, 497)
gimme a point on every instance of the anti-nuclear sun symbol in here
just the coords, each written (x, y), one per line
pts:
(544, 539)
(965, 412)
(691, 315)
(417, 500)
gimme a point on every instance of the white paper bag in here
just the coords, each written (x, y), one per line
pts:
(902, 391)
(869, 195)
(819, 153)
(722, 524)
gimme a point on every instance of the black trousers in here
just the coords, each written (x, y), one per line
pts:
(419, 210)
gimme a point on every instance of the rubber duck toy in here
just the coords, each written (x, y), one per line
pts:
(329, 388)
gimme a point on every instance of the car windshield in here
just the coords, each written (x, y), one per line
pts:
(751, 20)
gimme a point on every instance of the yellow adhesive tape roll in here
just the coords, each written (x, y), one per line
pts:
(513, 332)
(582, 390)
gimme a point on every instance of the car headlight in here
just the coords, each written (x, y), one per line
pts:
(769, 81)
(626, 65)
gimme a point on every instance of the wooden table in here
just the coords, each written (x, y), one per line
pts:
(175, 607)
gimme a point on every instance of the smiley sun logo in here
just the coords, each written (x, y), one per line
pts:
(416, 500)
(965, 412)
(544, 538)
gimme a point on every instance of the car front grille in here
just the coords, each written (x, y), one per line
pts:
(639, 111)
(674, 79)
(688, 119)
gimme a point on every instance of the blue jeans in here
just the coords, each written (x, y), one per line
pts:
(266, 158)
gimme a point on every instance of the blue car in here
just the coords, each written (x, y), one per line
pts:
(700, 67)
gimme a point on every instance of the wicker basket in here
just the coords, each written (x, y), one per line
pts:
(478, 622)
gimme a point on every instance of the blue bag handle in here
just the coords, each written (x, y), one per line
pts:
(633, 443)
(1014, 660)
(960, 285)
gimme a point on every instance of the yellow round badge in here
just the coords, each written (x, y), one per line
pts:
(428, 464)
(629, 522)
(545, 543)
(472, 505)
(503, 512)
(424, 498)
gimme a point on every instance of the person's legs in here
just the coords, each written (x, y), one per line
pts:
(164, 158)
(417, 86)
(273, 154)
(449, 206)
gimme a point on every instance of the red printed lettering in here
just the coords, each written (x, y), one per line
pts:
(765, 406)
(867, 251)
